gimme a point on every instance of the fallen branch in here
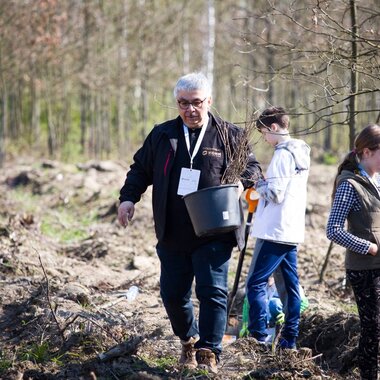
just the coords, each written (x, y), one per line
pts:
(122, 297)
(128, 347)
(125, 348)
(308, 359)
(98, 325)
(48, 298)
(324, 266)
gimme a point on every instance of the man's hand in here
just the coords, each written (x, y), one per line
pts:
(125, 213)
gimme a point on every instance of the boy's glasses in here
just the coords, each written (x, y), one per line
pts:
(185, 104)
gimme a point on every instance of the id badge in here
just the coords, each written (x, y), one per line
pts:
(188, 181)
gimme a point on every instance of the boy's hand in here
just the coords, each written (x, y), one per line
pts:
(261, 186)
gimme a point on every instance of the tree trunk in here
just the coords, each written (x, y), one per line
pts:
(65, 115)
(121, 128)
(354, 73)
(144, 104)
(4, 113)
(2, 129)
(92, 126)
(270, 55)
(36, 111)
(84, 112)
(210, 48)
(98, 125)
(105, 135)
(186, 51)
(84, 97)
(327, 134)
(14, 115)
(51, 130)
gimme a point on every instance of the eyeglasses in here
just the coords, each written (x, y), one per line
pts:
(185, 104)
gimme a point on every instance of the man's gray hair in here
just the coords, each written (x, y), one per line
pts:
(192, 82)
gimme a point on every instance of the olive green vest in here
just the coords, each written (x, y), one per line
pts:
(364, 223)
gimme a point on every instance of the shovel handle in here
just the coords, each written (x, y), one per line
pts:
(252, 204)
(252, 198)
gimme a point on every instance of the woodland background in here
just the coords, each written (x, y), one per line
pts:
(90, 78)
(82, 82)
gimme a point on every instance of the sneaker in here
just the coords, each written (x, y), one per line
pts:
(187, 359)
(265, 340)
(288, 343)
(206, 360)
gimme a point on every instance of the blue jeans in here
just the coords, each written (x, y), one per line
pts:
(209, 265)
(268, 257)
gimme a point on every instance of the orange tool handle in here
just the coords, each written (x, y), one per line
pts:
(252, 203)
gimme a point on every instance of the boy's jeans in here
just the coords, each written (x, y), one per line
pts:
(269, 256)
(209, 265)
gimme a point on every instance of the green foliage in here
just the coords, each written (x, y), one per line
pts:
(71, 150)
(27, 199)
(37, 353)
(65, 225)
(41, 353)
(57, 360)
(329, 159)
(203, 373)
(62, 223)
(162, 363)
(349, 307)
(5, 363)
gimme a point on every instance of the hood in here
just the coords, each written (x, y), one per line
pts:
(300, 152)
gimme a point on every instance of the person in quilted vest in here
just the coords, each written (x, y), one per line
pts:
(356, 199)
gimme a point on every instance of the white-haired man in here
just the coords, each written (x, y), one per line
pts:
(191, 143)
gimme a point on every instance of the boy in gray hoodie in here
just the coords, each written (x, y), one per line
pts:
(279, 225)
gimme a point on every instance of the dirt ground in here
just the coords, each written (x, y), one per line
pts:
(66, 265)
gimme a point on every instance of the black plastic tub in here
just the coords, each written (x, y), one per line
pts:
(214, 210)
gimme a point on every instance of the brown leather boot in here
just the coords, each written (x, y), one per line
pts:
(206, 360)
(187, 359)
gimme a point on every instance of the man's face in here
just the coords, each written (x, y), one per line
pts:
(193, 107)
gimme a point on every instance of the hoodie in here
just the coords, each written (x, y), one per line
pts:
(280, 214)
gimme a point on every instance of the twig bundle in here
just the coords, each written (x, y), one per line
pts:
(237, 152)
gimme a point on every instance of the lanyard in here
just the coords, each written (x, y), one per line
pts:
(197, 145)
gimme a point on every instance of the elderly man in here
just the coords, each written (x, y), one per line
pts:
(190, 148)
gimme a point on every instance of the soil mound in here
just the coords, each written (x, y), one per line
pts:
(66, 267)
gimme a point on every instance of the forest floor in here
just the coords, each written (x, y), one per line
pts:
(66, 265)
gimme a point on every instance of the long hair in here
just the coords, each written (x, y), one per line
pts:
(368, 138)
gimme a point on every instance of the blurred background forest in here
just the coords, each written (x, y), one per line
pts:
(90, 78)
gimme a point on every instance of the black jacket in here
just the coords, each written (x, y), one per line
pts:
(154, 160)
